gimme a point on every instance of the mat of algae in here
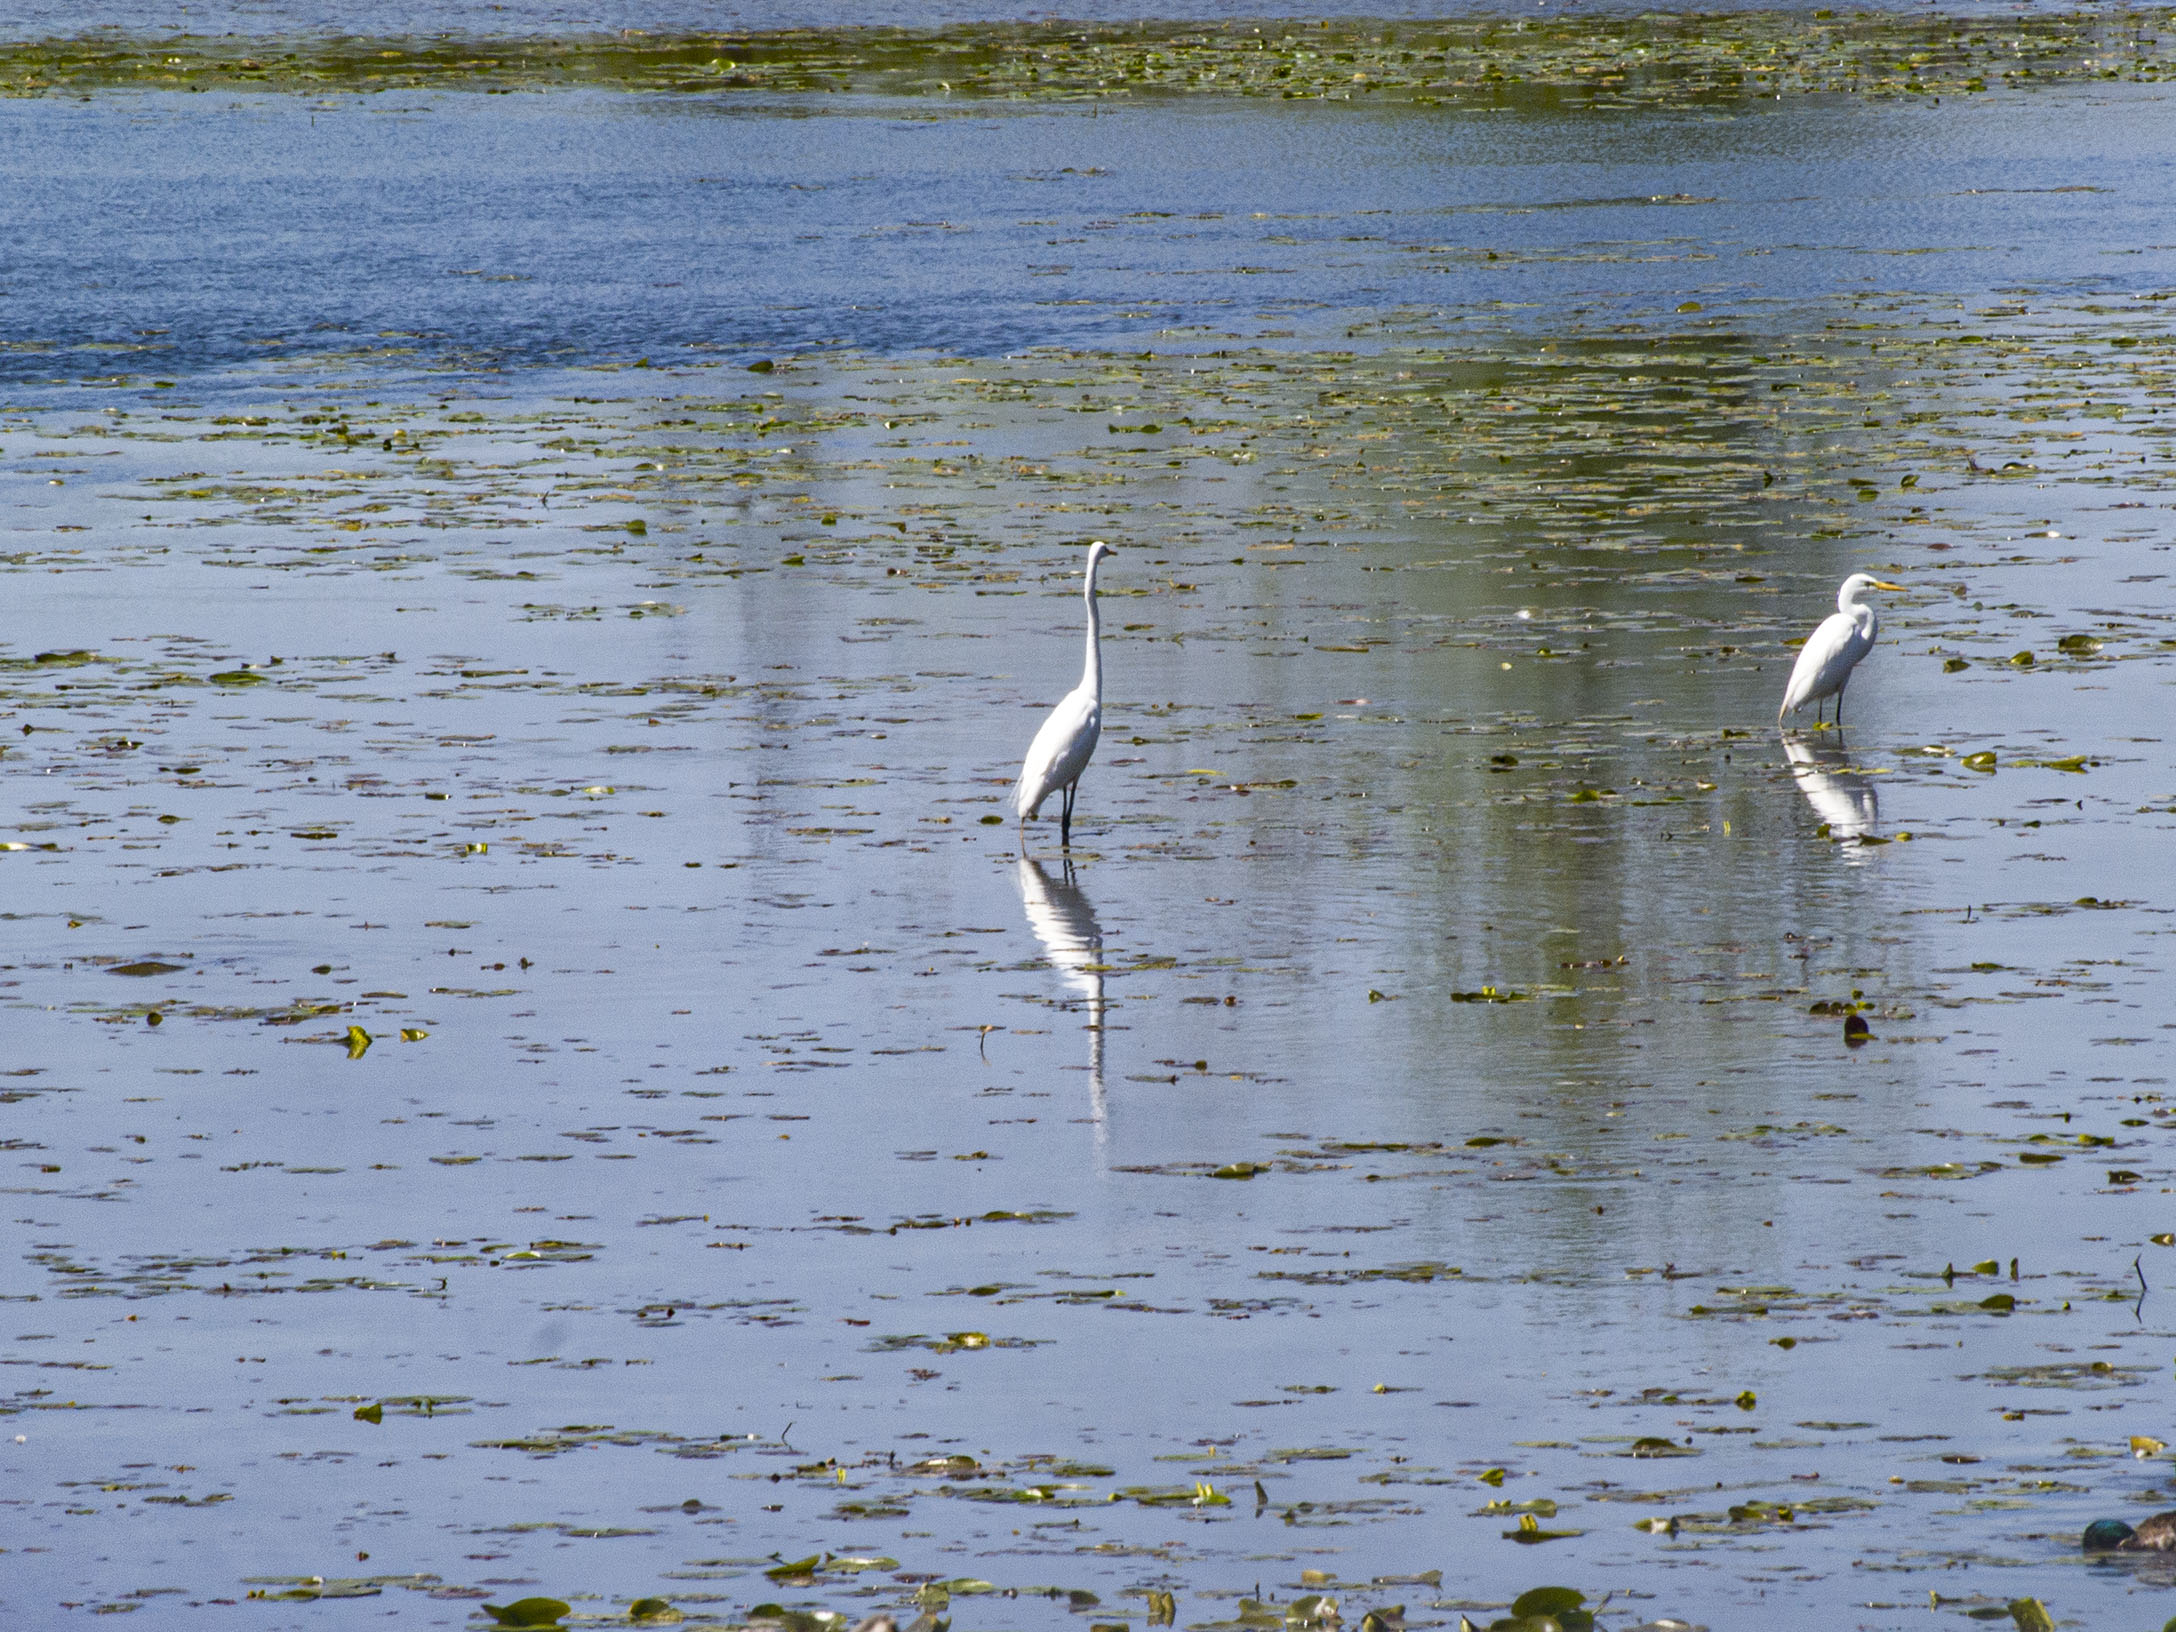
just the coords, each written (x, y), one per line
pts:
(1439, 1033)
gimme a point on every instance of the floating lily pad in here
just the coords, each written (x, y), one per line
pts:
(542, 1612)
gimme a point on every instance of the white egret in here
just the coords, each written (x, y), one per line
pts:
(1062, 748)
(1832, 651)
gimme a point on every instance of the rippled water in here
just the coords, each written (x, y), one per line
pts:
(523, 232)
(1422, 1102)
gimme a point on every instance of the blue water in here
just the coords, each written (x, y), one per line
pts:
(168, 235)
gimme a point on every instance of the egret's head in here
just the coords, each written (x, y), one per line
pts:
(1858, 584)
(1097, 550)
(2105, 1535)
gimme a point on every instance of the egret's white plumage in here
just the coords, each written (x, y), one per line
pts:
(1830, 654)
(1062, 748)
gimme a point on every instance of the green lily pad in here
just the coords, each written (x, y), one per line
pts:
(1547, 1601)
(528, 1612)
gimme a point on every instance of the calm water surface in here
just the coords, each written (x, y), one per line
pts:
(157, 232)
(534, 1071)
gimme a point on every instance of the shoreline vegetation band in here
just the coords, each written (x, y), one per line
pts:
(1543, 63)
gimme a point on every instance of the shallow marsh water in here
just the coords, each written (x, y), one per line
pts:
(620, 1119)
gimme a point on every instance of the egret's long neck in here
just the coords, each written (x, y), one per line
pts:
(1091, 672)
(1859, 612)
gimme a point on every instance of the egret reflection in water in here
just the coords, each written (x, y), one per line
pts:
(1843, 798)
(1072, 939)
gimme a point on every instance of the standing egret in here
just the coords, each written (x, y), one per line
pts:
(1832, 651)
(1062, 748)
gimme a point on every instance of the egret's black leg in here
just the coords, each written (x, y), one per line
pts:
(1840, 701)
(1065, 816)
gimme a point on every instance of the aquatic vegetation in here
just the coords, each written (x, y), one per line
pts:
(1604, 61)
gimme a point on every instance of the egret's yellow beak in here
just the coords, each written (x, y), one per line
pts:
(1883, 583)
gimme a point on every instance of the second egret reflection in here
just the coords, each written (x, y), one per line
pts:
(1061, 918)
